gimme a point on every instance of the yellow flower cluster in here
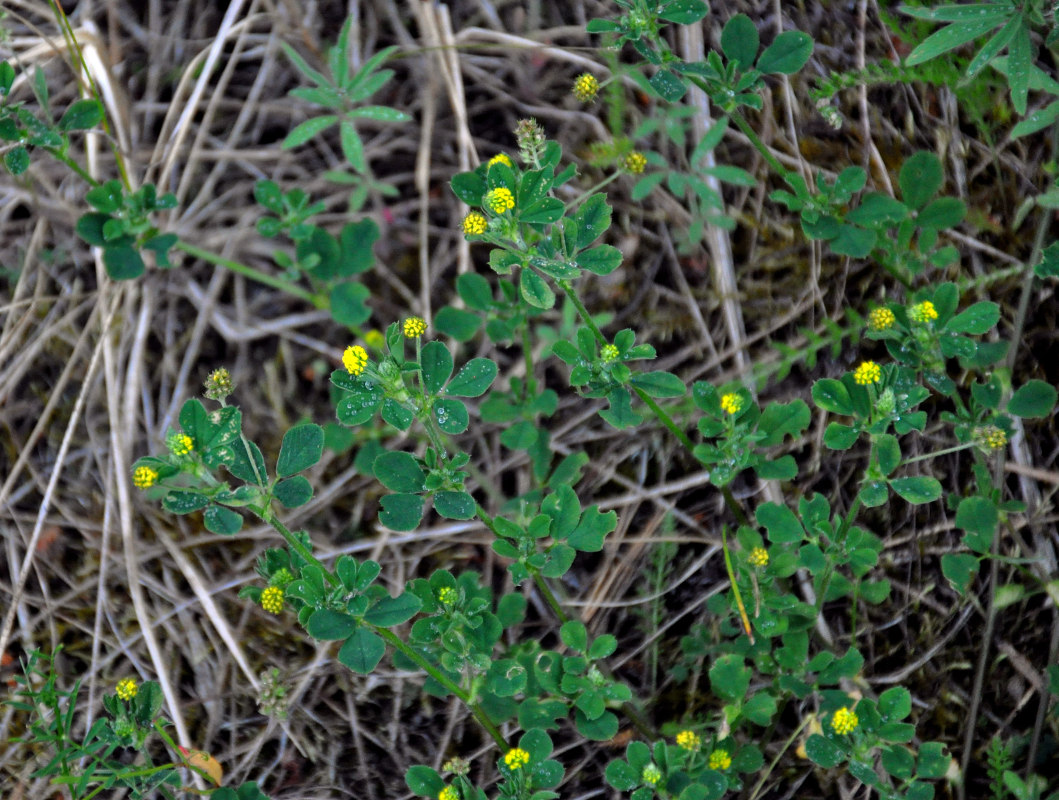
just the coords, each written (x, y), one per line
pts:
(144, 477)
(447, 596)
(449, 793)
(844, 721)
(355, 359)
(992, 437)
(759, 557)
(867, 373)
(475, 224)
(688, 740)
(126, 689)
(414, 327)
(501, 158)
(500, 200)
(719, 759)
(651, 775)
(635, 162)
(219, 384)
(731, 403)
(180, 444)
(881, 319)
(923, 312)
(585, 87)
(608, 353)
(516, 758)
(272, 600)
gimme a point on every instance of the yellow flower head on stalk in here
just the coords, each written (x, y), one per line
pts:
(844, 721)
(635, 162)
(499, 200)
(355, 359)
(881, 319)
(180, 444)
(867, 373)
(585, 87)
(447, 596)
(609, 353)
(144, 477)
(731, 403)
(272, 600)
(719, 759)
(759, 557)
(414, 327)
(219, 384)
(501, 158)
(516, 758)
(449, 793)
(923, 312)
(688, 740)
(126, 689)
(992, 437)
(651, 775)
(475, 224)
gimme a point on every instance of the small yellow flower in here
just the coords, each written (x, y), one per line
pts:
(449, 793)
(500, 200)
(355, 359)
(867, 373)
(923, 312)
(719, 759)
(585, 87)
(447, 596)
(516, 758)
(759, 557)
(688, 740)
(992, 437)
(272, 600)
(731, 403)
(881, 319)
(126, 689)
(635, 162)
(180, 444)
(218, 384)
(609, 353)
(475, 224)
(844, 721)
(414, 327)
(651, 775)
(375, 339)
(501, 158)
(144, 477)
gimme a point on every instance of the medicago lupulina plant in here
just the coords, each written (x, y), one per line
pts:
(544, 232)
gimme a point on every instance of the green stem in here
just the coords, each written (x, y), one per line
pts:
(58, 155)
(936, 453)
(549, 597)
(253, 274)
(589, 192)
(399, 644)
(760, 146)
(293, 542)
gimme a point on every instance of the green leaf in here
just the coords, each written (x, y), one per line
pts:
(90, 228)
(469, 187)
(992, 48)
(122, 262)
(933, 763)
(730, 678)
(823, 752)
(593, 528)
(876, 208)
(329, 625)
(977, 319)
(424, 781)
(945, 212)
(600, 260)
(362, 651)
(621, 776)
(390, 611)
(1037, 121)
(784, 468)
(221, 520)
(347, 304)
(668, 86)
(455, 322)
(853, 241)
(873, 493)
(378, 113)
(620, 414)
(1021, 54)
(950, 37)
(683, 12)
(659, 384)
(601, 729)
(475, 377)
(437, 366)
(831, 395)
(535, 289)
(782, 419)
(574, 635)
(593, 219)
(475, 291)
(17, 160)
(396, 414)
(293, 492)
(1032, 400)
(895, 704)
(739, 40)
(787, 54)
(917, 489)
(920, 178)
(454, 505)
(363, 400)
(399, 472)
(542, 212)
(307, 130)
(959, 569)
(401, 512)
(840, 437)
(780, 522)
(888, 451)
(302, 447)
(81, 115)
(184, 502)
(451, 415)
(977, 516)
